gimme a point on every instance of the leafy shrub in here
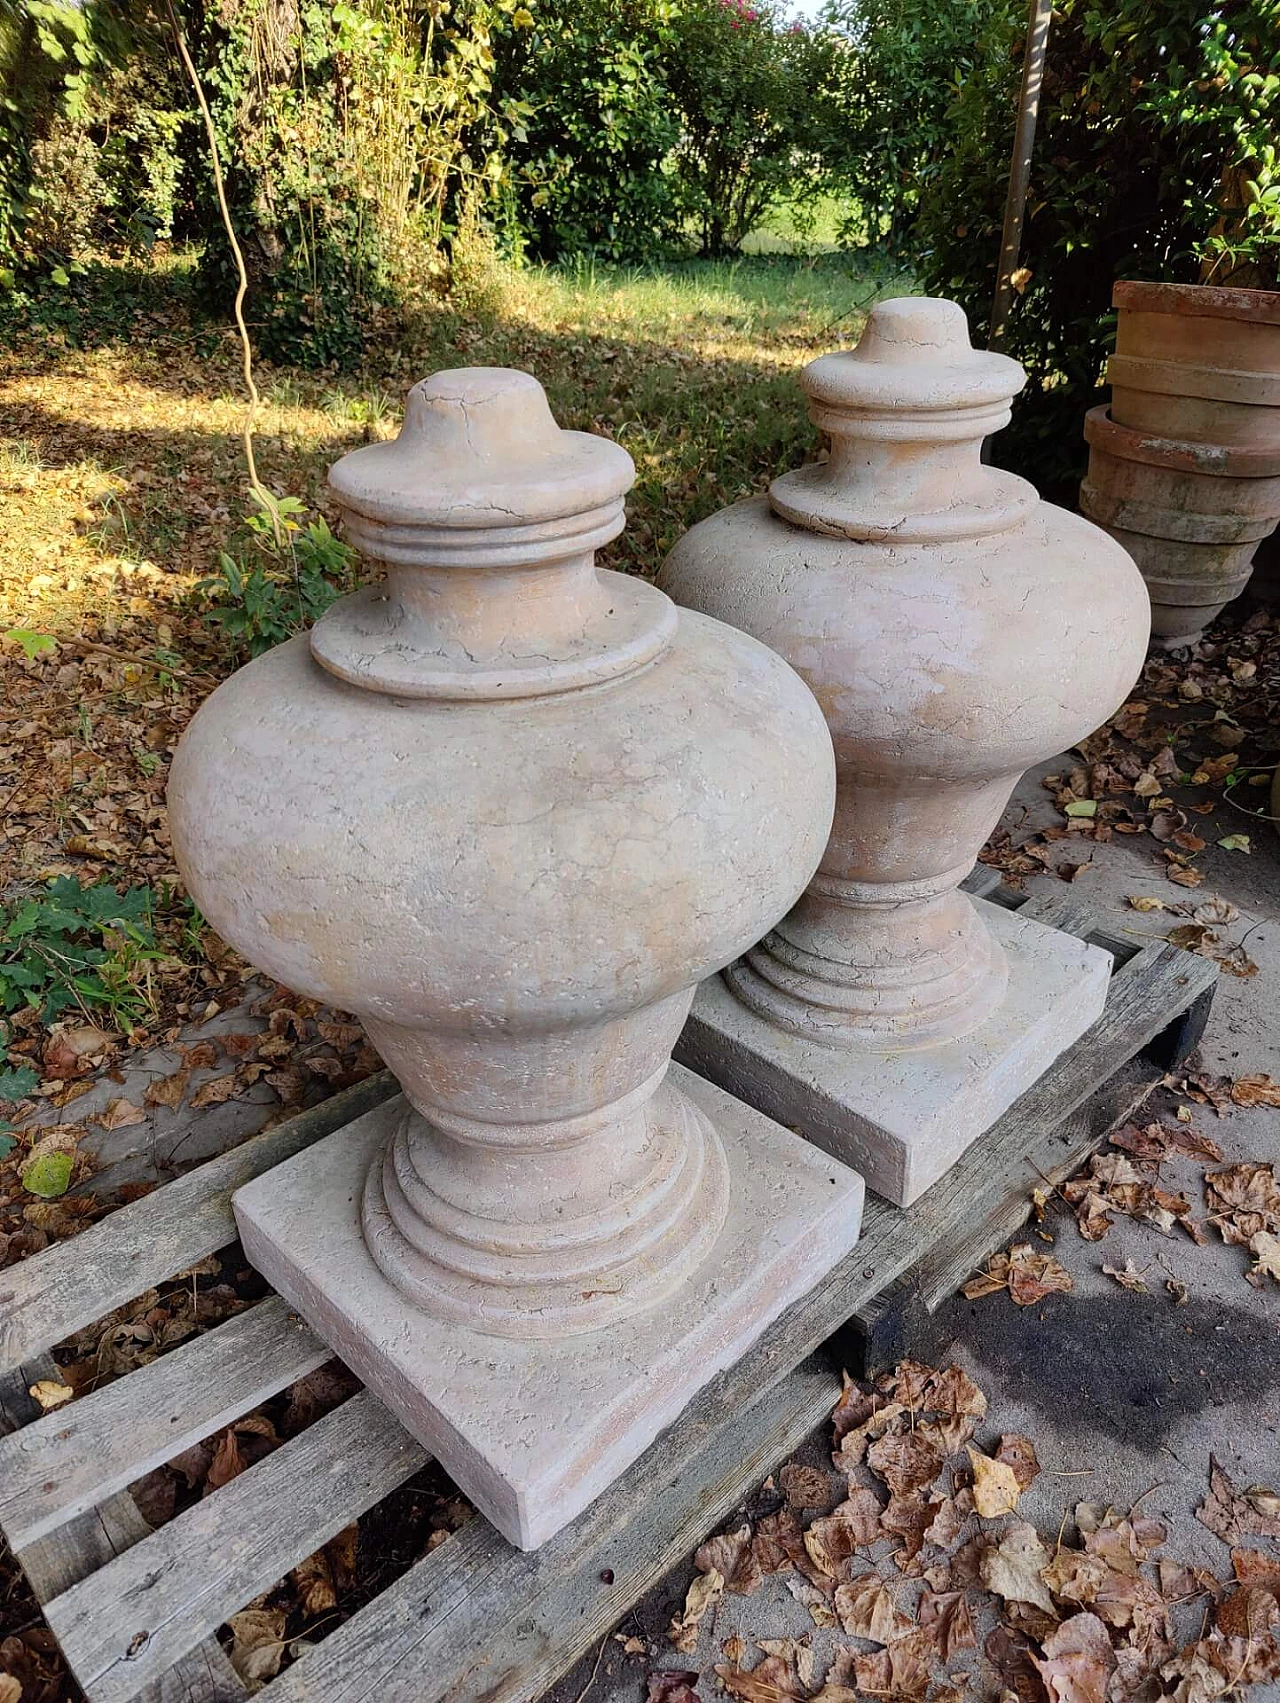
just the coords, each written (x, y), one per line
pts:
(74, 947)
(753, 99)
(892, 129)
(349, 138)
(89, 131)
(600, 127)
(283, 584)
(1156, 157)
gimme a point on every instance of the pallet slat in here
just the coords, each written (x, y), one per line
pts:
(124, 1626)
(74, 1283)
(479, 1620)
(76, 1456)
(79, 1548)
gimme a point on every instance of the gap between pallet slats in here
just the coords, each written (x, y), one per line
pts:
(79, 1548)
(477, 1619)
(124, 1626)
(46, 1298)
(71, 1458)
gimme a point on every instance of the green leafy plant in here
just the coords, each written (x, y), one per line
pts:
(74, 948)
(752, 96)
(293, 570)
(600, 127)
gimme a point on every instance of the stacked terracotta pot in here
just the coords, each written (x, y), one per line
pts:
(1184, 468)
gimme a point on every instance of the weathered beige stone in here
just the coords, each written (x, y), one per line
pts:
(509, 809)
(955, 630)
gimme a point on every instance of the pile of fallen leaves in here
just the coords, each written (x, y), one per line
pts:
(1241, 1201)
(1186, 763)
(295, 1048)
(926, 1564)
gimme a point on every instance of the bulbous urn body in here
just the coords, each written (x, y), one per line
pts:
(955, 630)
(509, 809)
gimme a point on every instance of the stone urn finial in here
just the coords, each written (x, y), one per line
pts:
(509, 808)
(955, 630)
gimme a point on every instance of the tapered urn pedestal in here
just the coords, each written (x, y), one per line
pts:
(955, 630)
(509, 809)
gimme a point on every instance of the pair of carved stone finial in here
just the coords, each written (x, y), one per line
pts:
(512, 809)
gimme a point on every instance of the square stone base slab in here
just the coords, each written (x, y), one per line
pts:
(534, 1431)
(904, 1118)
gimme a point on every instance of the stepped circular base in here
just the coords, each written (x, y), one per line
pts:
(894, 1005)
(575, 1274)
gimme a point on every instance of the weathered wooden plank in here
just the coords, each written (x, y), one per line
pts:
(69, 1285)
(122, 1628)
(887, 1321)
(1053, 1156)
(477, 1619)
(78, 1455)
(77, 1549)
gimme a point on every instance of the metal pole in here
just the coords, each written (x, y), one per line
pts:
(1024, 137)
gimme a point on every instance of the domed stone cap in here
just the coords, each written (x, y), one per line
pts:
(479, 449)
(486, 517)
(907, 411)
(914, 353)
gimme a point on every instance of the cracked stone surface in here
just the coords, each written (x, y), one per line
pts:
(955, 629)
(510, 809)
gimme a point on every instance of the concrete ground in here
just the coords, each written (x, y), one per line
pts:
(1124, 1395)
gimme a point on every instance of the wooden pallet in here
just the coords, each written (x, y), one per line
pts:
(136, 1611)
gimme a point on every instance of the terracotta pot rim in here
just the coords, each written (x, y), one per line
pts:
(1218, 461)
(1205, 301)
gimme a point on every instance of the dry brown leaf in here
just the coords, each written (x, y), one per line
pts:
(1128, 1277)
(671, 1685)
(867, 1610)
(313, 1579)
(778, 1544)
(257, 1643)
(947, 1524)
(1250, 1612)
(730, 1555)
(906, 1462)
(1257, 1567)
(854, 1524)
(995, 1485)
(907, 1517)
(120, 1114)
(49, 1394)
(1231, 1514)
(770, 1681)
(703, 1594)
(11, 1689)
(1075, 1576)
(900, 1670)
(1259, 1090)
(797, 1653)
(1019, 1452)
(1013, 1568)
(74, 1051)
(1266, 1251)
(227, 1463)
(805, 1486)
(168, 1091)
(215, 1092)
(1078, 1661)
(945, 1615)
